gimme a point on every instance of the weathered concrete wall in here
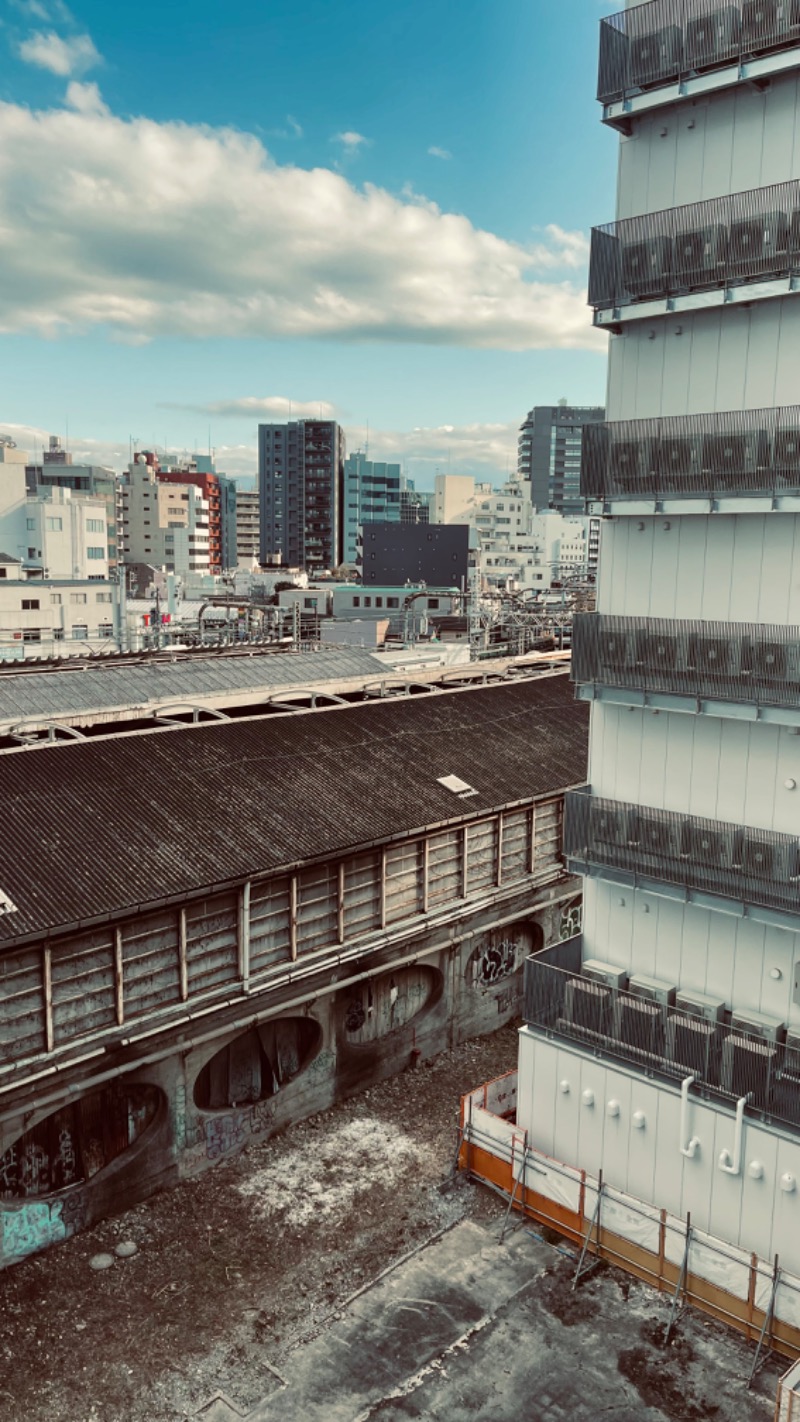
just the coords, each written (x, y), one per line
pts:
(163, 1116)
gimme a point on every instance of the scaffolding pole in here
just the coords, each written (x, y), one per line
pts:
(681, 1284)
(520, 1181)
(580, 1271)
(766, 1331)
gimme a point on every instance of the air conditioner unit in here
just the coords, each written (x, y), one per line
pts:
(771, 661)
(646, 265)
(656, 56)
(656, 834)
(625, 463)
(712, 655)
(699, 255)
(748, 1069)
(768, 859)
(766, 23)
(677, 463)
(698, 1004)
(708, 846)
(638, 1024)
(786, 455)
(613, 650)
(690, 1043)
(657, 651)
(604, 973)
(757, 1024)
(609, 824)
(713, 38)
(791, 1057)
(586, 1005)
(652, 990)
(758, 244)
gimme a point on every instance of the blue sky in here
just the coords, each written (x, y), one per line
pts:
(380, 211)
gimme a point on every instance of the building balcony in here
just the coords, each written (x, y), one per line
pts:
(656, 1029)
(735, 461)
(742, 671)
(746, 871)
(742, 247)
(668, 50)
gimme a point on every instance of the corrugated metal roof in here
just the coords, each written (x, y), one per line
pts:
(100, 826)
(113, 688)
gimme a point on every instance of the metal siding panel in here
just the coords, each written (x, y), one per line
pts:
(362, 894)
(83, 985)
(22, 1029)
(516, 839)
(403, 880)
(317, 908)
(150, 973)
(269, 924)
(211, 946)
(444, 867)
(481, 855)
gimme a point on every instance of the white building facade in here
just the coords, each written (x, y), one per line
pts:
(663, 1050)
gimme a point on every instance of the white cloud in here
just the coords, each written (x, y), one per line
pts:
(437, 152)
(259, 407)
(61, 56)
(292, 129)
(350, 140)
(85, 98)
(150, 228)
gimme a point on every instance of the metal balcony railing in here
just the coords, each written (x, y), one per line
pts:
(665, 40)
(743, 237)
(736, 452)
(664, 1041)
(757, 663)
(754, 866)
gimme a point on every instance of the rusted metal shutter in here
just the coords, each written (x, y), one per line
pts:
(481, 856)
(211, 943)
(22, 1023)
(548, 839)
(317, 907)
(362, 895)
(445, 866)
(404, 864)
(269, 924)
(516, 844)
(150, 962)
(82, 971)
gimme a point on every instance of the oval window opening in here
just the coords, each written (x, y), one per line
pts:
(77, 1142)
(258, 1063)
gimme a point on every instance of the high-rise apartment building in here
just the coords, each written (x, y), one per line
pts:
(301, 487)
(549, 454)
(207, 481)
(247, 526)
(165, 522)
(661, 1055)
(371, 495)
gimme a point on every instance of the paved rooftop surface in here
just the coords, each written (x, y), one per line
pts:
(473, 1328)
(116, 823)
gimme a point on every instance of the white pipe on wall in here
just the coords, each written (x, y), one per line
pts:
(733, 1166)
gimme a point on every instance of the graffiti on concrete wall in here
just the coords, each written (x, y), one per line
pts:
(228, 1133)
(496, 960)
(571, 919)
(27, 1228)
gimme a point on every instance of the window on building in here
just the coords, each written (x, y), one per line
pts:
(54, 524)
(101, 597)
(105, 630)
(356, 602)
(95, 553)
(80, 632)
(310, 602)
(30, 523)
(32, 634)
(77, 599)
(30, 604)
(433, 603)
(55, 599)
(95, 525)
(3, 572)
(379, 602)
(392, 602)
(31, 552)
(58, 634)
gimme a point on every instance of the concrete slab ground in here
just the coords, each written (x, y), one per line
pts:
(472, 1328)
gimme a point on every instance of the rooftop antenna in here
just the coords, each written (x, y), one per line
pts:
(209, 441)
(366, 452)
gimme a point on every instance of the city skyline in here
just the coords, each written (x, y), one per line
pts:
(365, 251)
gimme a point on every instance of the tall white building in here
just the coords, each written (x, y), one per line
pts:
(164, 525)
(663, 1050)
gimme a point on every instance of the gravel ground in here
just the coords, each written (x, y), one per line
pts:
(238, 1266)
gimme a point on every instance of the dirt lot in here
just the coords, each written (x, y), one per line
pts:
(236, 1269)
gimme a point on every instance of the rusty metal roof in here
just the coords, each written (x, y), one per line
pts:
(98, 827)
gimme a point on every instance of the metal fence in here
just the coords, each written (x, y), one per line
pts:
(735, 452)
(662, 1040)
(756, 663)
(653, 44)
(742, 237)
(759, 867)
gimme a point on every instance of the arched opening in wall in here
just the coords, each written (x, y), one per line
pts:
(374, 1009)
(76, 1142)
(258, 1063)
